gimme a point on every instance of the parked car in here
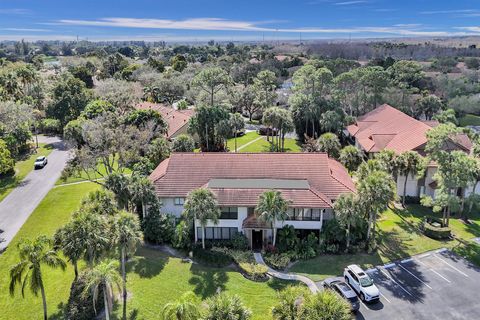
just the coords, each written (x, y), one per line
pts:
(343, 290)
(361, 283)
(40, 162)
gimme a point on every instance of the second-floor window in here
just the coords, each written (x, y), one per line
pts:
(179, 201)
(229, 213)
(304, 214)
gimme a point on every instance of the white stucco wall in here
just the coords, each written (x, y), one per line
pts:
(169, 207)
(237, 223)
(412, 185)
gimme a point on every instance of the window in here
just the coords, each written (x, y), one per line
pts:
(304, 214)
(179, 201)
(217, 233)
(230, 213)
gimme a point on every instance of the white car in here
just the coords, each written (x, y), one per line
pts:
(361, 283)
(40, 162)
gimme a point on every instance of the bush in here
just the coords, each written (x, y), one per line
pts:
(412, 200)
(6, 161)
(254, 271)
(439, 232)
(278, 261)
(225, 307)
(308, 247)
(51, 126)
(238, 256)
(158, 228)
(182, 237)
(239, 241)
(79, 305)
(287, 238)
(212, 258)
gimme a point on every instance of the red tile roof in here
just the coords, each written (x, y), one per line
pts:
(389, 128)
(183, 172)
(176, 119)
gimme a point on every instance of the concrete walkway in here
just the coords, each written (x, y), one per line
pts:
(247, 144)
(287, 276)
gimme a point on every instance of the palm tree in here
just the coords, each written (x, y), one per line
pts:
(237, 123)
(128, 235)
(409, 163)
(185, 308)
(92, 233)
(325, 305)
(201, 205)
(290, 302)
(375, 192)
(28, 271)
(104, 277)
(272, 207)
(227, 307)
(141, 191)
(66, 239)
(346, 210)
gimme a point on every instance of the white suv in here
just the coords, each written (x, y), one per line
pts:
(40, 162)
(361, 283)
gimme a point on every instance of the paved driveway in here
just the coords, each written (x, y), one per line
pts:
(434, 285)
(20, 203)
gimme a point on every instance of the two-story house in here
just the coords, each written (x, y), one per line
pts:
(311, 182)
(389, 128)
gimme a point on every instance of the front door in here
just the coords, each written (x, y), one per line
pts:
(257, 239)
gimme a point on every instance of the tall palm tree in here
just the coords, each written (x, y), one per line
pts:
(237, 123)
(66, 239)
(185, 308)
(142, 191)
(104, 277)
(272, 207)
(201, 205)
(128, 235)
(346, 210)
(28, 271)
(409, 163)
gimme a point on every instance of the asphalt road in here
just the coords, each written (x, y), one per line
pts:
(20, 203)
(435, 285)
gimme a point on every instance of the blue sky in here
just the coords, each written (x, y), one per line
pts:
(182, 20)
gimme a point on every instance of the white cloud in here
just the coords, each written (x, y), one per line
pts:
(14, 11)
(25, 29)
(349, 3)
(450, 11)
(471, 29)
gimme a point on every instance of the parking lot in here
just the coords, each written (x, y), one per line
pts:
(434, 285)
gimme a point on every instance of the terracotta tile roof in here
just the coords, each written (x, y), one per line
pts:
(389, 128)
(183, 172)
(252, 222)
(176, 119)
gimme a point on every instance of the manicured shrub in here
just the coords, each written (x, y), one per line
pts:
(287, 238)
(238, 256)
(182, 237)
(254, 271)
(433, 228)
(158, 228)
(278, 261)
(211, 257)
(79, 305)
(308, 248)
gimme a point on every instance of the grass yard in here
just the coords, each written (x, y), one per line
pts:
(22, 168)
(469, 120)
(84, 177)
(398, 237)
(246, 138)
(262, 145)
(53, 212)
(153, 278)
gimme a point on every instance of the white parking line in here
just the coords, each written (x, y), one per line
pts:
(388, 276)
(426, 284)
(423, 263)
(424, 255)
(448, 264)
(384, 297)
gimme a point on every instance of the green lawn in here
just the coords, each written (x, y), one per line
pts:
(102, 173)
(246, 138)
(469, 120)
(53, 211)
(398, 237)
(153, 277)
(22, 168)
(262, 145)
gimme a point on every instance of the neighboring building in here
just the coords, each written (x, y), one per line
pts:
(177, 119)
(310, 181)
(389, 128)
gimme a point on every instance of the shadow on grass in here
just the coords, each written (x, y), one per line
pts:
(207, 280)
(60, 314)
(147, 263)
(278, 284)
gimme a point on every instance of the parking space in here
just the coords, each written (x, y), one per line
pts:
(434, 285)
